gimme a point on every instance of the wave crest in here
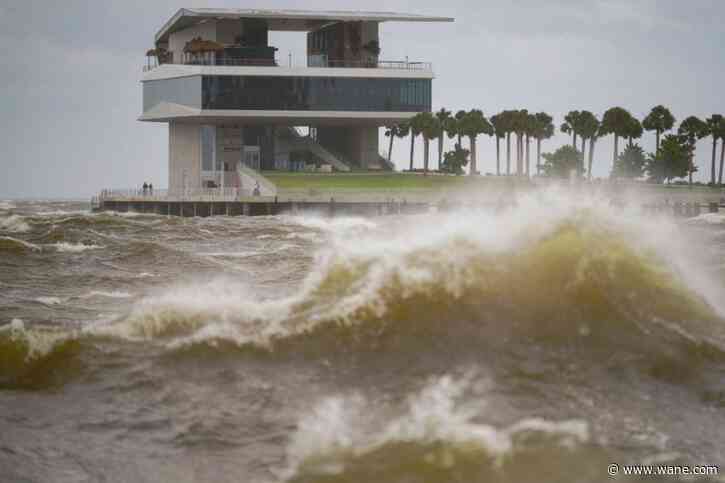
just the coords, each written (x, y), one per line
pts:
(436, 437)
(34, 358)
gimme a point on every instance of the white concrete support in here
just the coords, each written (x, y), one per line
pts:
(184, 157)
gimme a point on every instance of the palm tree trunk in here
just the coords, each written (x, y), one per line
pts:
(440, 151)
(390, 147)
(591, 156)
(657, 141)
(616, 150)
(426, 150)
(508, 153)
(691, 170)
(528, 158)
(573, 139)
(519, 154)
(714, 149)
(538, 155)
(584, 153)
(412, 148)
(722, 159)
(472, 140)
(498, 157)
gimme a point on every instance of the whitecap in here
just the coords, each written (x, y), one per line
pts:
(67, 247)
(49, 300)
(353, 425)
(14, 224)
(115, 294)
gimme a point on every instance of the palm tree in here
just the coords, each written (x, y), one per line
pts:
(458, 119)
(518, 126)
(531, 127)
(659, 120)
(571, 125)
(713, 126)
(615, 121)
(430, 131)
(500, 133)
(473, 124)
(544, 129)
(507, 119)
(443, 116)
(633, 130)
(416, 128)
(392, 131)
(721, 135)
(690, 130)
(589, 128)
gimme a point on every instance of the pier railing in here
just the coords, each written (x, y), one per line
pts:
(197, 194)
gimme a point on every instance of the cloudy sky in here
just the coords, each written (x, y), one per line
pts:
(70, 92)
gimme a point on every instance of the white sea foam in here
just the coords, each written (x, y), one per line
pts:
(115, 294)
(335, 224)
(67, 247)
(709, 218)
(355, 426)
(7, 205)
(38, 342)
(14, 224)
(417, 252)
(50, 300)
(65, 213)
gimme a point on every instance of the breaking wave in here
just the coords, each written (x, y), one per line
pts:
(438, 436)
(14, 224)
(558, 273)
(567, 273)
(34, 358)
(13, 245)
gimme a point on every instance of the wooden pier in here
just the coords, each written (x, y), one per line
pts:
(190, 208)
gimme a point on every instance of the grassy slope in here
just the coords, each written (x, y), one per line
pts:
(372, 181)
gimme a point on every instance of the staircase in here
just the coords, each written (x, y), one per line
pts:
(327, 155)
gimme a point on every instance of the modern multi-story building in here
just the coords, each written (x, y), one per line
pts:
(231, 104)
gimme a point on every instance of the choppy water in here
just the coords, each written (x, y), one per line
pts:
(535, 346)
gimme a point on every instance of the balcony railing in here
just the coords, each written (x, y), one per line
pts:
(231, 61)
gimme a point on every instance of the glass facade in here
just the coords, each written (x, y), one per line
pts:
(183, 90)
(208, 147)
(316, 93)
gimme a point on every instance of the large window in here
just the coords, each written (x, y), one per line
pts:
(208, 147)
(315, 94)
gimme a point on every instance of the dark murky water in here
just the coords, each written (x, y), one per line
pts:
(540, 345)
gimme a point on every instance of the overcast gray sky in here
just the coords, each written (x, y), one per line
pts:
(70, 92)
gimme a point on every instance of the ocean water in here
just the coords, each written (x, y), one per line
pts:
(541, 344)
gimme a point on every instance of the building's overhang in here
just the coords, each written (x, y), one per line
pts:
(285, 20)
(172, 71)
(166, 112)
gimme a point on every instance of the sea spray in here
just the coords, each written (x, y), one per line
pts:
(437, 431)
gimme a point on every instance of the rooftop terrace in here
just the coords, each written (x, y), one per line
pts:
(286, 20)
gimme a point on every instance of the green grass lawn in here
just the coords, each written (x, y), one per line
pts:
(371, 181)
